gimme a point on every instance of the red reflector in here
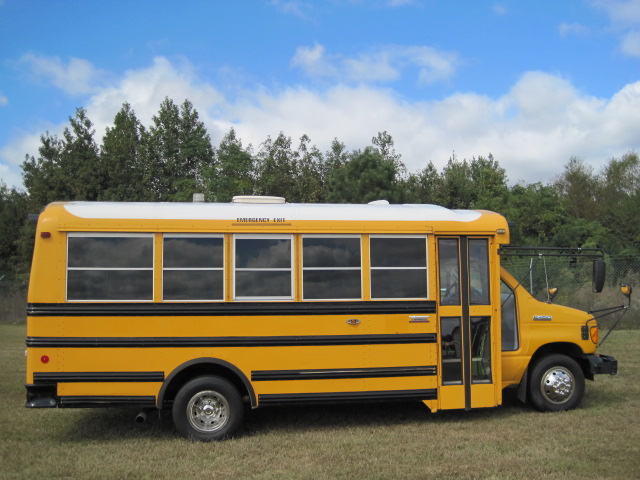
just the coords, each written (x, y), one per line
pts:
(44, 359)
(45, 234)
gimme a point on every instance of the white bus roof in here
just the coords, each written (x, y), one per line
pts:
(256, 211)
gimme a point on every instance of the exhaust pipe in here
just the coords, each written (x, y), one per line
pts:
(141, 417)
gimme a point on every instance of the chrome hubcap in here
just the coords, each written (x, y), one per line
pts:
(208, 411)
(557, 384)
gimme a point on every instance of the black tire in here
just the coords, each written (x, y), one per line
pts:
(207, 408)
(556, 384)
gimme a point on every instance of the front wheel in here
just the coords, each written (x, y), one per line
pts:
(556, 384)
(207, 408)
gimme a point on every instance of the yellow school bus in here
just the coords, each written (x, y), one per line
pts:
(204, 308)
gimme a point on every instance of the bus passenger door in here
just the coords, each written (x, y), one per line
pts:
(464, 314)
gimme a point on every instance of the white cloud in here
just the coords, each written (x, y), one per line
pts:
(371, 67)
(631, 44)
(146, 88)
(625, 19)
(13, 154)
(76, 77)
(400, 3)
(314, 62)
(8, 176)
(540, 99)
(533, 129)
(567, 29)
(3, 100)
(293, 7)
(385, 64)
(500, 9)
(434, 65)
(621, 12)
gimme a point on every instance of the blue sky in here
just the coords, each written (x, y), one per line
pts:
(532, 82)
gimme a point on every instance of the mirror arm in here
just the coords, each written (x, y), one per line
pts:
(626, 309)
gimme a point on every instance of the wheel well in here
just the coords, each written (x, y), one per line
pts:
(569, 349)
(564, 348)
(201, 367)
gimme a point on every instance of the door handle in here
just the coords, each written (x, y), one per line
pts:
(418, 318)
(353, 321)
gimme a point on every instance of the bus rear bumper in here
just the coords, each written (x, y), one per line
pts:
(41, 396)
(601, 364)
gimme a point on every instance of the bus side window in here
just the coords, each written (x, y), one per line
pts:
(331, 267)
(398, 266)
(509, 318)
(192, 267)
(263, 267)
(109, 267)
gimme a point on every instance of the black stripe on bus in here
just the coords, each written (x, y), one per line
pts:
(229, 309)
(75, 377)
(180, 342)
(328, 374)
(107, 401)
(336, 397)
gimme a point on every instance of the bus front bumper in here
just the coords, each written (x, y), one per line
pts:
(601, 364)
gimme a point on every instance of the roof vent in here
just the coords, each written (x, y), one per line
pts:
(256, 199)
(379, 202)
(198, 197)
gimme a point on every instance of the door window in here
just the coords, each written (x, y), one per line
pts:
(451, 332)
(509, 318)
(480, 349)
(448, 257)
(478, 272)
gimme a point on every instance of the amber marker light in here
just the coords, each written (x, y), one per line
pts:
(595, 334)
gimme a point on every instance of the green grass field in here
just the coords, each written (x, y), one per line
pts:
(599, 440)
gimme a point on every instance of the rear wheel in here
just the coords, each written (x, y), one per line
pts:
(207, 408)
(557, 384)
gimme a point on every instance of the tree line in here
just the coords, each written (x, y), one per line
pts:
(174, 158)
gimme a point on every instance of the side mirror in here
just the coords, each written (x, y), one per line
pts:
(599, 268)
(552, 292)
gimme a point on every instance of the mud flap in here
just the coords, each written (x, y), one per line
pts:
(522, 388)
